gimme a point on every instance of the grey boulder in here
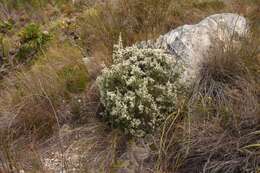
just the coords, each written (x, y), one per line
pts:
(191, 43)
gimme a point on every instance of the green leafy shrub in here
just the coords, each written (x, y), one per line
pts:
(32, 39)
(75, 77)
(140, 89)
(6, 26)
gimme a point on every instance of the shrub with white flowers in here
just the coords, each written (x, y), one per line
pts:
(140, 89)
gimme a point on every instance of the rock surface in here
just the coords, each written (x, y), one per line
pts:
(191, 43)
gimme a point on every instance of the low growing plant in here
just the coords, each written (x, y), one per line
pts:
(6, 26)
(140, 89)
(32, 40)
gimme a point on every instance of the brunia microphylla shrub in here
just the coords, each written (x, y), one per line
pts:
(140, 89)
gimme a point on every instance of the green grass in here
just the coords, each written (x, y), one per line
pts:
(75, 77)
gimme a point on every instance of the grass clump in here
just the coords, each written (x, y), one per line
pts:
(217, 129)
(36, 4)
(31, 98)
(42, 88)
(140, 89)
(75, 77)
(32, 40)
(136, 20)
(4, 47)
(212, 4)
(227, 79)
(224, 109)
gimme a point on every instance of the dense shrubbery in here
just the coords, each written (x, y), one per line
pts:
(140, 89)
(32, 39)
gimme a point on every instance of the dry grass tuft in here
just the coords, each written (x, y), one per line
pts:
(35, 82)
(218, 128)
(214, 148)
(227, 79)
(224, 111)
(135, 20)
(31, 97)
